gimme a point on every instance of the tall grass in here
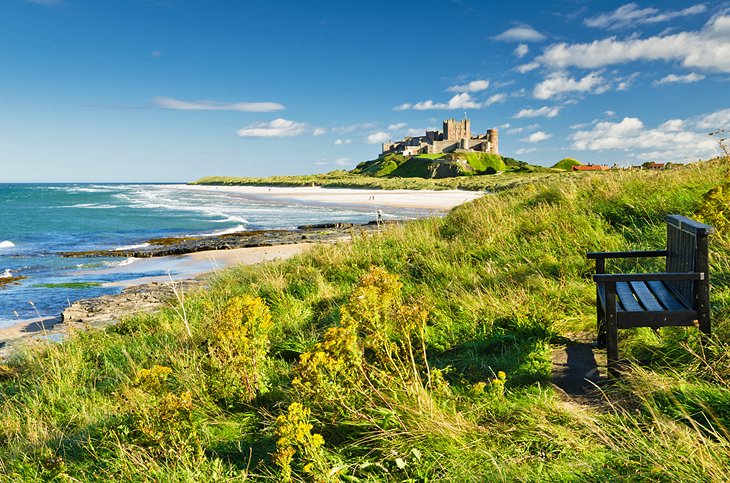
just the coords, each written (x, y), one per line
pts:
(501, 279)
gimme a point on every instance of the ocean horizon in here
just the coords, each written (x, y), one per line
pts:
(39, 221)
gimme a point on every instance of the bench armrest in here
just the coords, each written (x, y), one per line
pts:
(647, 277)
(636, 254)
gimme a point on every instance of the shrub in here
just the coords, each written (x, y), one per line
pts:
(295, 436)
(715, 207)
(238, 341)
(379, 341)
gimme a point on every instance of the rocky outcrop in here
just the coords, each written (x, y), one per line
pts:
(107, 309)
(255, 238)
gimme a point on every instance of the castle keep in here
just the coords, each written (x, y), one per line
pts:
(456, 137)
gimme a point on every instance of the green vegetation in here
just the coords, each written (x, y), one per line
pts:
(67, 285)
(485, 163)
(343, 179)
(395, 171)
(567, 164)
(421, 353)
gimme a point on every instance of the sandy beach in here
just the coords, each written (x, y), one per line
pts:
(437, 200)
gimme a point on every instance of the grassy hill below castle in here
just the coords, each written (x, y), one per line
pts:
(422, 353)
(468, 171)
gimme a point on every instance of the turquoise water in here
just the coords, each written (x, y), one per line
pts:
(38, 221)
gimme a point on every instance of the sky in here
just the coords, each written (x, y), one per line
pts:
(173, 90)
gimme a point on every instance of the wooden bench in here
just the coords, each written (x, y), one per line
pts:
(677, 297)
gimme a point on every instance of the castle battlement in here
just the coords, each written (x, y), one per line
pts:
(456, 136)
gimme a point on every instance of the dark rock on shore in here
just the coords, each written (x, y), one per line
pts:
(107, 309)
(255, 238)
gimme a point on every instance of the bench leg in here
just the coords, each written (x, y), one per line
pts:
(704, 322)
(600, 325)
(612, 347)
(611, 326)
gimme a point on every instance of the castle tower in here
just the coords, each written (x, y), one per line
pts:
(455, 130)
(493, 136)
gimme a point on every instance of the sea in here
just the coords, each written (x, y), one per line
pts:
(38, 222)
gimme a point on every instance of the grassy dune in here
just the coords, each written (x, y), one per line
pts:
(421, 353)
(343, 179)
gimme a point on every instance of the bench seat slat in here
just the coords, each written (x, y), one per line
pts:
(625, 301)
(626, 295)
(666, 297)
(645, 296)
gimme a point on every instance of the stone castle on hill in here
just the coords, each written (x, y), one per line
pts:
(456, 137)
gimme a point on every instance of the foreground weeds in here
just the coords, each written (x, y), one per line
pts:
(420, 353)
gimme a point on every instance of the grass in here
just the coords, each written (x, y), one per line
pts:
(396, 370)
(343, 179)
(67, 285)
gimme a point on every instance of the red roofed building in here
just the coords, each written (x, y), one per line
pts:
(591, 167)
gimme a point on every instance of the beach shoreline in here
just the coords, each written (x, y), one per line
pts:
(191, 266)
(143, 294)
(436, 200)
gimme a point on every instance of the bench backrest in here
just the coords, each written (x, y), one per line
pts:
(687, 252)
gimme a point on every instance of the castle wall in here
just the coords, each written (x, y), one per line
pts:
(456, 135)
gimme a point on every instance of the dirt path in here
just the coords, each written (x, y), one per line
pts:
(579, 370)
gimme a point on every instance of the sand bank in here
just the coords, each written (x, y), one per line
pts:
(438, 200)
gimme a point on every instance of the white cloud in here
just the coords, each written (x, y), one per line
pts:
(715, 120)
(537, 136)
(459, 101)
(473, 86)
(525, 150)
(610, 113)
(630, 15)
(501, 97)
(529, 67)
(319, 131)
(672, 125)
(675, 139)
(363, 126)
(340, 142)
(377, 137)
(336, 162)
(523, 33)
(275, 129)
(522, 50)
(708, 48)
(170, 103)
(681, 79)
(518, 130)
(544, 111)
(559, 83)
(417, 132)
(397, 126)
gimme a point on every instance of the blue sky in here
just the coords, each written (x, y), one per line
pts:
(171, 90)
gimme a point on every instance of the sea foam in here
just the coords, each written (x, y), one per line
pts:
(235, 229)
(131, 247)
(6, 244)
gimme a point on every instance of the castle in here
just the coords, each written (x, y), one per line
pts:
(456, 137)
